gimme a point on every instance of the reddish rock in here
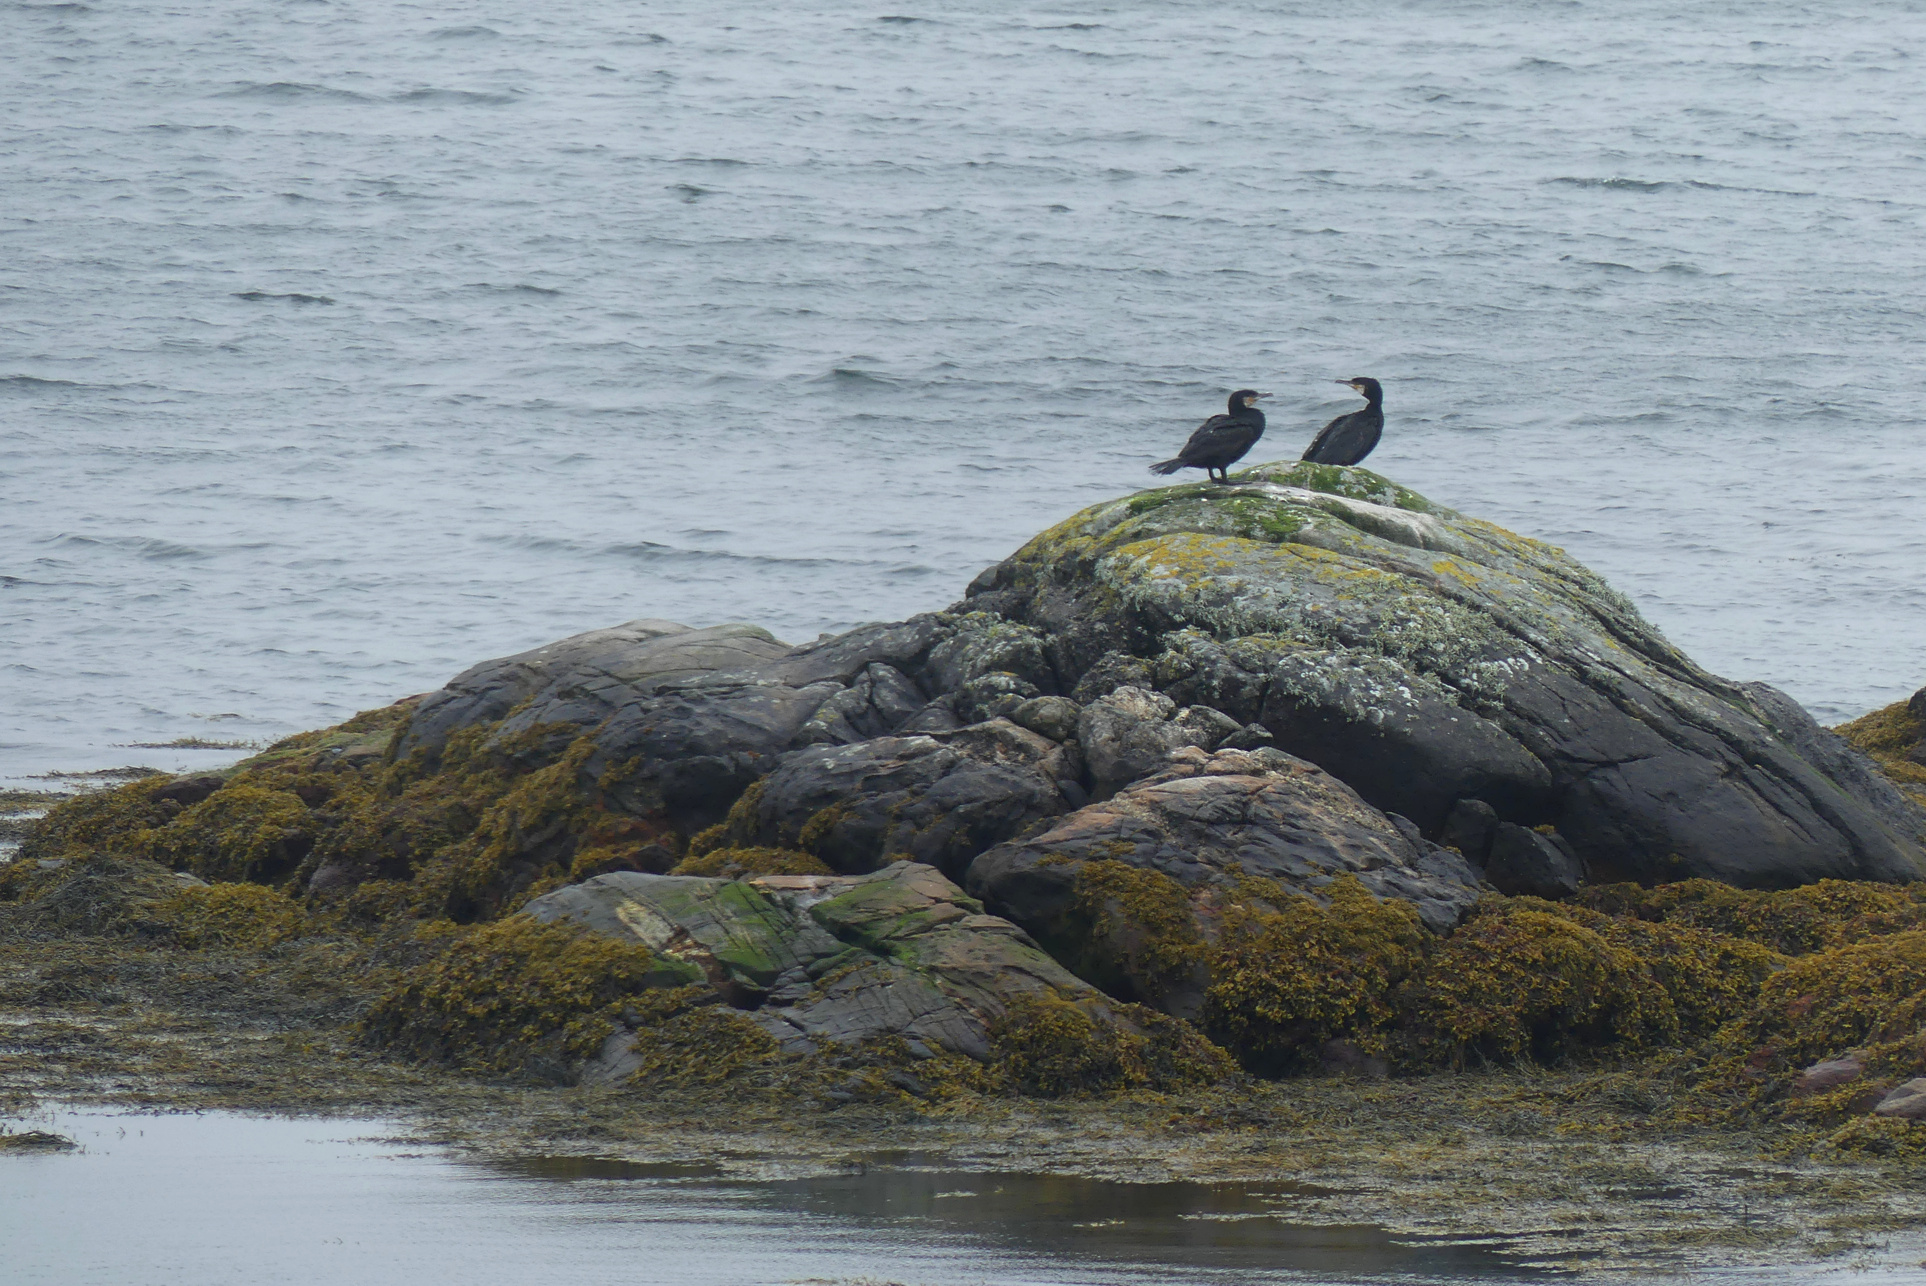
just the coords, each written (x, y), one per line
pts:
(1829, 1075)
(1907, 1102)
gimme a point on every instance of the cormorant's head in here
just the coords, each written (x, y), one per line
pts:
(1369, 388)
(1244, 398)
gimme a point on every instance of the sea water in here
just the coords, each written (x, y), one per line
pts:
(220, 1199)
(344, 343)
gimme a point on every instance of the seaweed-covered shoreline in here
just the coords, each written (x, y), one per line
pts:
(1582, 1167)
(1292, 829)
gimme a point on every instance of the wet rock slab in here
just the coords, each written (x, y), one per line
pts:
(827, 959)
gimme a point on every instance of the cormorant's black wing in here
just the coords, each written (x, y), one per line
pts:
(1322, 440)
(1214, 434)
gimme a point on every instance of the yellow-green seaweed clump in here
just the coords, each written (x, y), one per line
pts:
(243, 831)
(1129, 930)
(1812, 917)
(1868, 995)
(234, 917)
(735, 863)
(1288, 974)
(516, 997)
(1517, 983)
(1893, 736)
(1051, 1047)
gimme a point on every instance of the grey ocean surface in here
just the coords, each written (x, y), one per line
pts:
(343, 344)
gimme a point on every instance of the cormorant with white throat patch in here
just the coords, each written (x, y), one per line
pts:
(1349, 438)
(1222, 440)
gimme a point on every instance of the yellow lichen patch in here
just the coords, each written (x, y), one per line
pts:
(516, 997)
(1288, 974)
(1056, 1048)
(734, 863)
(234, 917)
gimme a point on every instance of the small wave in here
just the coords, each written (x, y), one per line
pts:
(690, 192)
(904, 20)
(1618, 185)
(518, 288)
(140, 546)
(293, 91)
(1543, 64)
(464, 97)
(26, 382)
(465, 33)
(650, 552)
(1074, 26)
(258, 296)
(707, 160)
(55, 8)
(854, 377)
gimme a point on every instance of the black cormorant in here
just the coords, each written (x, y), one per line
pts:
(1349, 438)
(1222, 440)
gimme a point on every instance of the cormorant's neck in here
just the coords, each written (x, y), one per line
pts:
(1374, 399)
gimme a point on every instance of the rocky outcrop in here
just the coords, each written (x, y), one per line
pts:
(1483, 686)
(939, 799)
(1426, 658)
(818, 959)
(1209, 820)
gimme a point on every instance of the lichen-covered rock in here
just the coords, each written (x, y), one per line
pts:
(1425, 657)
(831, 959)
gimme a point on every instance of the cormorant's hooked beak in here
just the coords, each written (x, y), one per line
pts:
(1255, 396)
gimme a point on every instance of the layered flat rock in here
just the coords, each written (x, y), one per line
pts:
(1427, 658)
(1209, 820)
(829, 959)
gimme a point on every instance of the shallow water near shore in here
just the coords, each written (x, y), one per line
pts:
(217, 1198)
(343, 344)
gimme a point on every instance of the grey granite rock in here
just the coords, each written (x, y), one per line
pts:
(819, 960)
(1427, 657)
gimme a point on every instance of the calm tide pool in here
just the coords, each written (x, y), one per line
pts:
(215, 1199)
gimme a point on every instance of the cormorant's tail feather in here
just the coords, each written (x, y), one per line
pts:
(1167, 466)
